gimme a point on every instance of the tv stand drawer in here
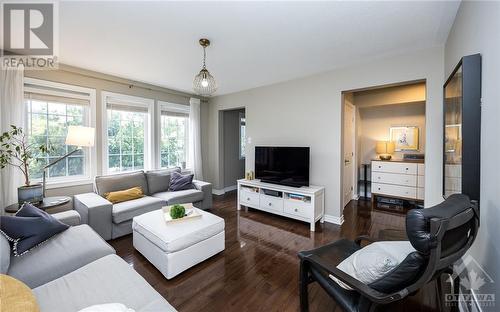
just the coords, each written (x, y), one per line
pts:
(250, 199)
(297, 208)
(271, 203)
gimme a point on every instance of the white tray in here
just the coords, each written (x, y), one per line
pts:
(191, 213)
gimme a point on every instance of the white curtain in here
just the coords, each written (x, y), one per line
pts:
(12, 112)
(195, 159)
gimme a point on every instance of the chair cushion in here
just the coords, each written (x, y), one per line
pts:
(64, 253)
(180, 197)
(4, 254)
(119, 182)
(106, 280)
(29, 227)
(127, 210)
(177, 236)
(159, 180)
(179, 182)
(372, 262)
(125, 195)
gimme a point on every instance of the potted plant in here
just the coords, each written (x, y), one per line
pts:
(16, 151)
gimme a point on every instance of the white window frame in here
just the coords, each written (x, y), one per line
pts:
(148, 133)
(175, 108)
(71, 91)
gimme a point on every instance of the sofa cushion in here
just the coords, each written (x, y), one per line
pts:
(125, 195)
(177, 236)
(118, 182)
(106, 280)
(127, 210)
(4, 254)
(180, 197)
(179, 182)
(159, 180)
(29, 227)
(64, 253)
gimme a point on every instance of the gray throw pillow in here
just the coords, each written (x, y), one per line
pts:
(179, 182)
(29, 227)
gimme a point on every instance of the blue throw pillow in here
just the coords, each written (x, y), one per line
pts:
(179, 182)
(28, 228)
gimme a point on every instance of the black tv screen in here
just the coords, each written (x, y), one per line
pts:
(282, 165)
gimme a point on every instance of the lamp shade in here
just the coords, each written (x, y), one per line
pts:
(385, 147)
(80, 136)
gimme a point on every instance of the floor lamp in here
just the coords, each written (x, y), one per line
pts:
(77, 136)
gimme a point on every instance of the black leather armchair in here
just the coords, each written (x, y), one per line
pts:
(440, 235)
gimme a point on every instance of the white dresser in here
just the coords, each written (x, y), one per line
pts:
(300, 203)
(400, 179)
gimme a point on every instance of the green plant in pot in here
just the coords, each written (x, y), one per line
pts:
(17, 151)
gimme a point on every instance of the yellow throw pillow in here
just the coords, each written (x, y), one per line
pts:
(125, 195)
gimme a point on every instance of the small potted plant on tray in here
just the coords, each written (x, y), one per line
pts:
(17, 151)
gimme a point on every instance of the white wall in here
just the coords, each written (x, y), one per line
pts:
(477, 30)
(307, 112)
(375, 123)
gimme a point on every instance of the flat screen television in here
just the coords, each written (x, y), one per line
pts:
(282, 165)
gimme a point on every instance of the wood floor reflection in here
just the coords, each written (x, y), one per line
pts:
(258, 270)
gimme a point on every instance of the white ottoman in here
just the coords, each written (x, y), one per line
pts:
(175, 247)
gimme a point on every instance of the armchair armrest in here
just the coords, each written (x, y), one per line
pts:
(95, 211)
(69, 217)
(355, 284)
(206, 188)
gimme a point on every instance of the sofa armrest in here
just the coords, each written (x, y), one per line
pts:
(95, 211)
(206, 188)
(69, 217)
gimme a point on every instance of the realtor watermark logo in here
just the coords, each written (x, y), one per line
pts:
(473, 278)
(29, 35)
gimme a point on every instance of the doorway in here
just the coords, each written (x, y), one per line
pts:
(374, 115)
(232, 149)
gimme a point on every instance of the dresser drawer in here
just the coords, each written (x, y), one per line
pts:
(394, 167)
(420, 181)
(394, 190)
(421, 169)
(297, 208)
(249, 198)
(271, 203)
(421, 193)
(394, 178)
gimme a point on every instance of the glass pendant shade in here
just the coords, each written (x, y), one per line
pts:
(204, 84)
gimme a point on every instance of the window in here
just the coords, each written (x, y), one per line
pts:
(174, 135)
(127, 132)
(51, 108)
(242, 135)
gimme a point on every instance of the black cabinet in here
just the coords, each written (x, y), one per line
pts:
(462, 129)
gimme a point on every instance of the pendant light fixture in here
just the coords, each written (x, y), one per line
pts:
(204, 84)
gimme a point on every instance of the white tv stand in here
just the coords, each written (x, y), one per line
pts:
(300, 203)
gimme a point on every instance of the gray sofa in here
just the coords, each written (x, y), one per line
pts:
(112, 221)
(77, 269)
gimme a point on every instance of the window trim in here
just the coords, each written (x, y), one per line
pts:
(72, 91)
(175, 108)
(242, 115)
(148, 133)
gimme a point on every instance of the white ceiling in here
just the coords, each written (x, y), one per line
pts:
(253, 43)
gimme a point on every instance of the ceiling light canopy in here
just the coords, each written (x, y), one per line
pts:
(204, 84)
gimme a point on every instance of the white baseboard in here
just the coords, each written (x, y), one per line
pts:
(224, 190)
(334, 219)
(218, 192)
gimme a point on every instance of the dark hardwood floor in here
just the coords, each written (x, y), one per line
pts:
(258, 270)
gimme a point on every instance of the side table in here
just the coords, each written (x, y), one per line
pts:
(48, 202)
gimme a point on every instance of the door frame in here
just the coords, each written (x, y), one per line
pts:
(354, 151)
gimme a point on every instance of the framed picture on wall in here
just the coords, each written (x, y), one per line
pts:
(405, 138)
